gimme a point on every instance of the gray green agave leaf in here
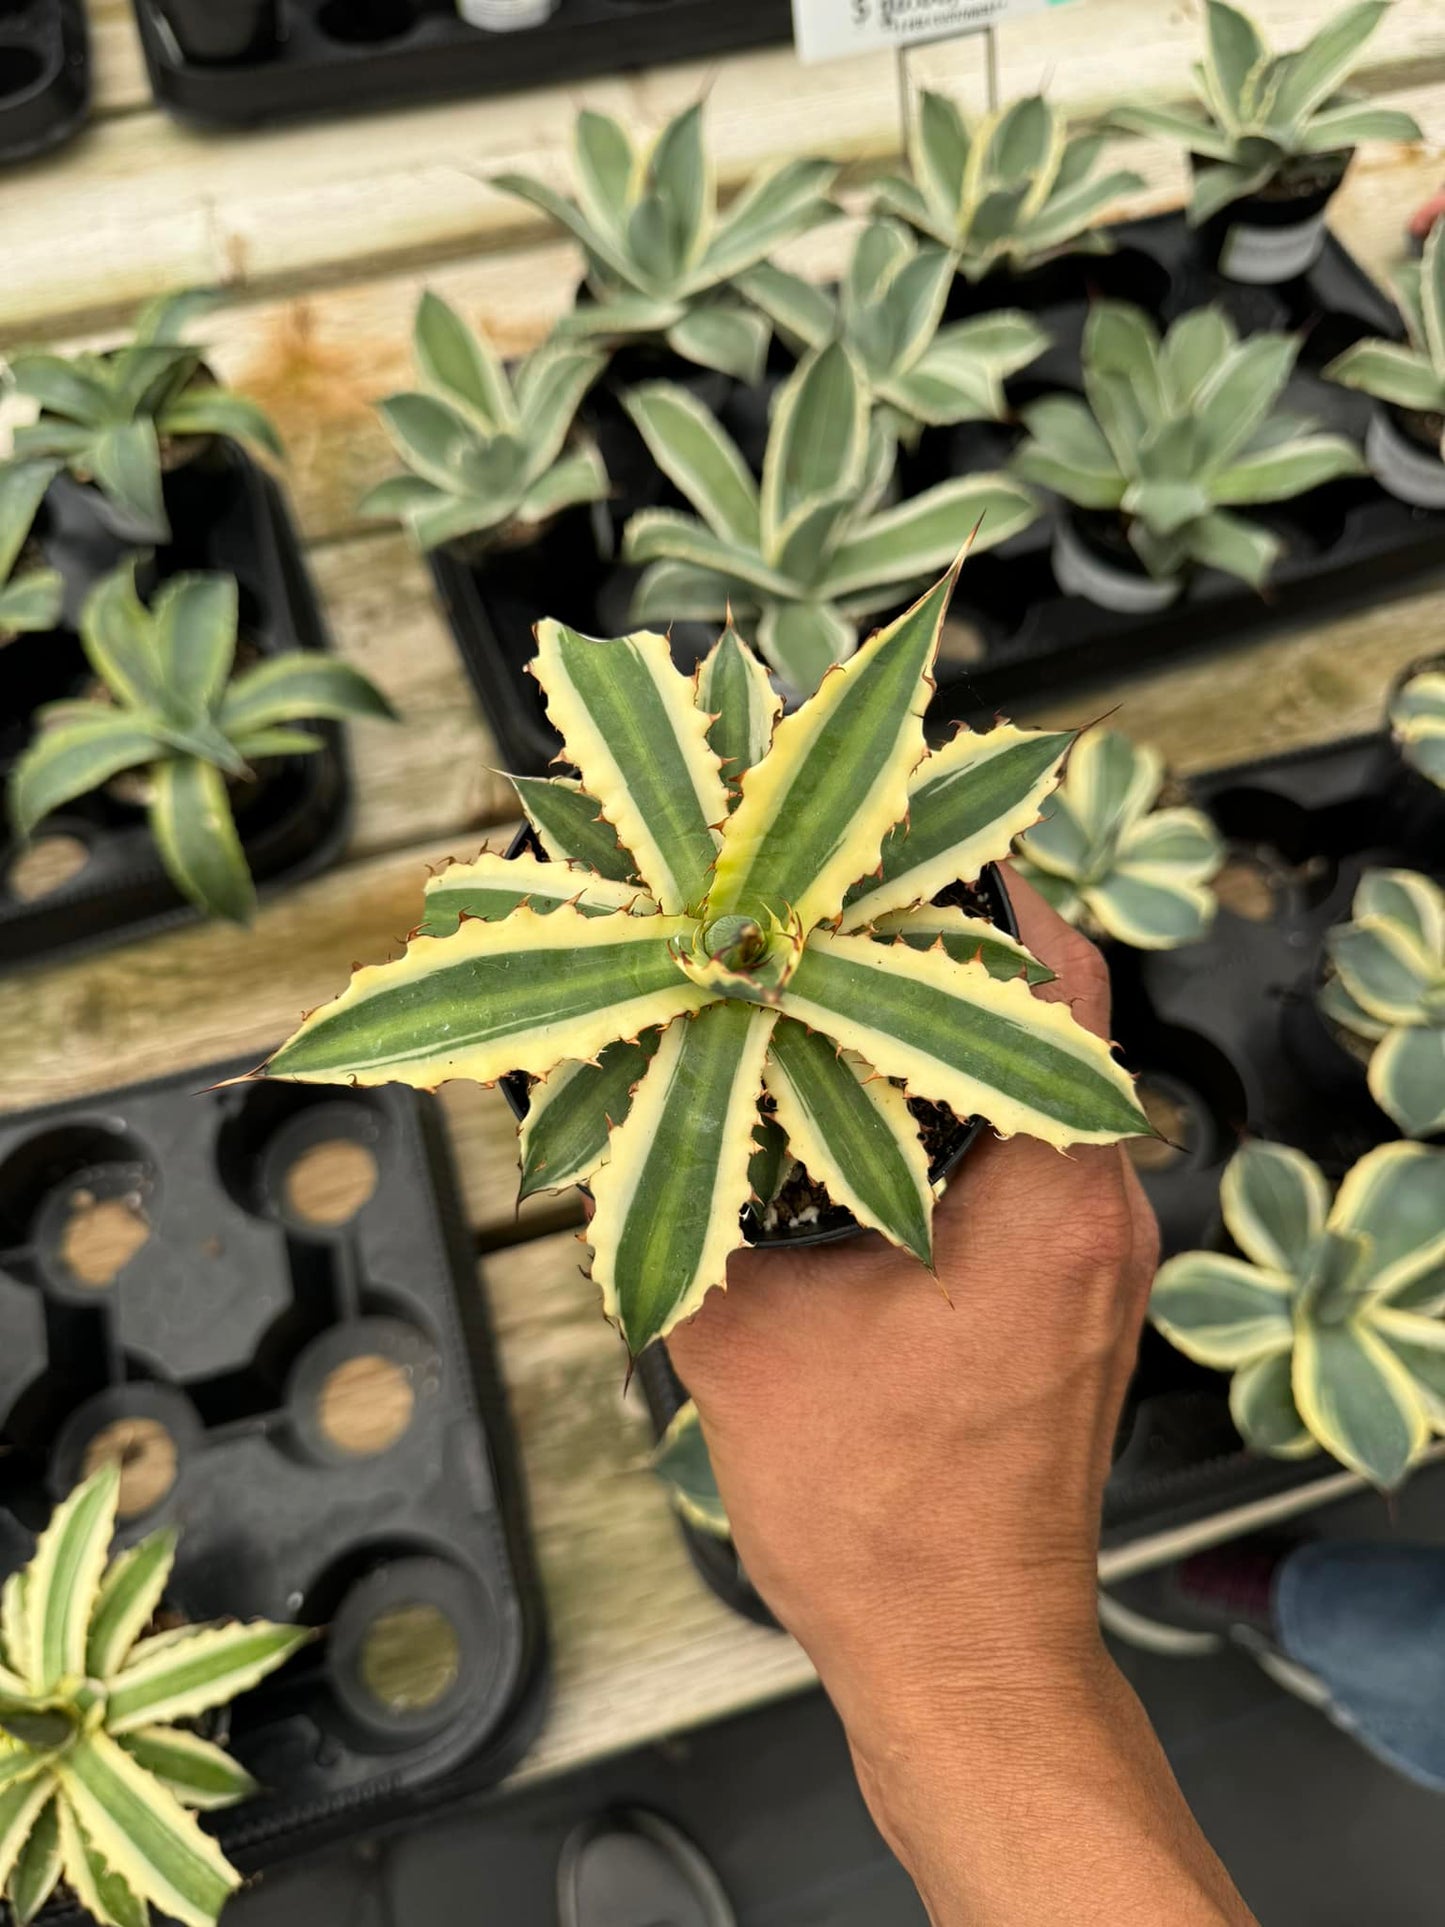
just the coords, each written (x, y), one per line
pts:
(1417, 719)
(30, 598)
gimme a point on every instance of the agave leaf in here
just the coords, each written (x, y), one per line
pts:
(17, 1636)
(1234, 50)
(1381, 968)
(966, 803)
(599, 242)
(813, 815)
(177, 1679)
(1358, 1400)
(733, 688)
(1186, 125)
(571, 826)
(63, 1579)
(201, 1775)
(22, 490)
(692, 449)
(957, 1036)
(1337, 129)
(664, 534)
(205, 409)
(564, 1136)
(22, 1803)
(966, 939)
(125, 460)
(303, 683)
(804, 640)
(1419, 1344)
(805, 315)
(459, 364)
(1221, 1311)
(31, 604)
(1238, 547)
(608, 167)
(1261, 1403)
(733, 340)
(195, 619)
(37, 1866)
(1394, 1197)
(818, 442)
(681, 592)
(104, 1895)
(74, 758)
(1407, 1078)
(614, 317)
(1275, 1202)
(854, 1133)
(1219, 185)
(576, 479)
(670, 1196)
(1157, 912)
(1318, 70)
(119, 642)
(127, 1601)
(925, 532)
(775, 205)
(630, 725)
(1408, 899)
(681, 1462)
(195, 834)
(1290, 469)
(522, 995)
(493, 886)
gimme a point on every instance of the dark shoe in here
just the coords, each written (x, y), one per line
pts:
(1220, 1594)
(634, 1869)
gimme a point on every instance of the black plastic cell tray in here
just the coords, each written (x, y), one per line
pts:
(1012, 637)
(342, 55)
(224, 1328)
(44, 76)
(1227, 1029)
(226, 514)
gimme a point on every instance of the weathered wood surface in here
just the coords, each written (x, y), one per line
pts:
(327, 234)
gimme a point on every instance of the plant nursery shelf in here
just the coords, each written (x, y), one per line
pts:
(341, 55)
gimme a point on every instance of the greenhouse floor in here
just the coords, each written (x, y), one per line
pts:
(1314, 1831)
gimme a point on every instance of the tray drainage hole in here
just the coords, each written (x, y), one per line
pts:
(148, 1458)
(49, 863)
(20, 68)
(1172, 1117)
(328, 1183)
(366, 21)
(100, 1237)
(1245, 888)
(410, 1659)
(365, 1405)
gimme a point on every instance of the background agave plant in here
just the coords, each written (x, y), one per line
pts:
(30, 599)
(1330, 1321)
(801, 560)
(727, 945)
(1009, 192)
(682, 1463)
(888, 311)
(660, 256)
(99, 1759)
(1262, 116)
(106, 416)
(1389, 987)
(1417, 718)
(1410, 376)
(171, 709)
(1106, 858)
(487, 454)
(1175, 433)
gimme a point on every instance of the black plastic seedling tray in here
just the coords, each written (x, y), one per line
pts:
(1227, 1032)
(300, 1355)
(343, 55)
(44, 76)
(226, 514)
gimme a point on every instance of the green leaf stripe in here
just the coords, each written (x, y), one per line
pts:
(64, 1577)
(209, 1667)
(571, 827)
(493, 886)
(966, 939)
(127, 1602)
(201, 1775)
(195, 833)
(564, 1136)
(734, 689)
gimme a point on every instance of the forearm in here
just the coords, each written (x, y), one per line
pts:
(1037, 1797)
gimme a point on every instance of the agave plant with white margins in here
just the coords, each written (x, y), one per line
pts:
(1010, 192)
(731, 942)
(1107, 859)
(1174, 435)
(889, 311)
(1409, 376)
(1417, 720)
(804, 558)
(488, 454)
(660, 255)
(1388, 987)
(102, 1769)
(1265, 118)
(682, 1463)
(1330, 1321)
(108, 417)
(30, 598)
(170, 707)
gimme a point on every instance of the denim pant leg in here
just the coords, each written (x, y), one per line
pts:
(1368, 1621)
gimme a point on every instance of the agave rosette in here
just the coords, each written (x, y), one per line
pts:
(705, 929)
(1330, 1320)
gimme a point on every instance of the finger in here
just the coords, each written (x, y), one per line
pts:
(1081, 977)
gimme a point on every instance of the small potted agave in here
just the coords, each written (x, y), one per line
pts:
(741, 925)
(1405, 442)
(1327, 1313)
(1006, 196)
(1270, 138)
(804, 557)
(1170, 439)
(104, 1758)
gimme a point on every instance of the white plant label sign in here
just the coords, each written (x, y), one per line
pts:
(832, 29)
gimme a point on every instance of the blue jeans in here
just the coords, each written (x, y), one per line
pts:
(1368, 1621)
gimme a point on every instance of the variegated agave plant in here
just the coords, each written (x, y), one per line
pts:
(660, 256)
(1388, 987)
(1176, 434)
(167, 705)
(101, 1767)
(1330, 1321)
(803, 559)
(1107, 859)
(888, 311)
(488, 454)
(1411, 376)
(1417, 718)
(30, 599)
(1266, 117)
(682, 1463)
(730, 905)
(1009, 192)
(105, 416)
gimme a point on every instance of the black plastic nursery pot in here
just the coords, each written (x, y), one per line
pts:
(1277, 234)
(311, 57)
(91, 875)
(44, 75)
(264, 1298)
